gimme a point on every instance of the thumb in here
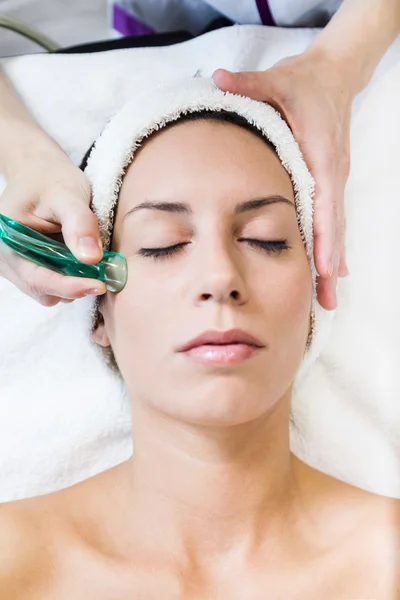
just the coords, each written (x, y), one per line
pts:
(80, 229)
(252, 84)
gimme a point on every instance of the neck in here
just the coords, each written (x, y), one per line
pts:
(211, 492)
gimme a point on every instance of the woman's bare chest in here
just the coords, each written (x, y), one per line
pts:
(323, 581)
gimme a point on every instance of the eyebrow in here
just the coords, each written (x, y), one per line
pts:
(181, 207)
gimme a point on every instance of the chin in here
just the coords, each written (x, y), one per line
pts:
(219, 402)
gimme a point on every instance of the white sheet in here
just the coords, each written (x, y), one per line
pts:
(58, 427)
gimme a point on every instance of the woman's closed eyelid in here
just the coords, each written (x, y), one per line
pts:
(276, 246)
(156, 237)
(153, 233)
(156, 234)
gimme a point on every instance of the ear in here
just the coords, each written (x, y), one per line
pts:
(99, 334)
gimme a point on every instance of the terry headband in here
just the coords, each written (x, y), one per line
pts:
(115, 148)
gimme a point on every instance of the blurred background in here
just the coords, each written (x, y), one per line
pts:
(66, 22)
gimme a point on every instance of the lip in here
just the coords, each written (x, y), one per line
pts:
(222, 347)
(222, 338)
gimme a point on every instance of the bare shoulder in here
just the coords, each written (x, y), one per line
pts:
(362, 531)
(381, 542)
(373, 516)
(38, 534)
(382, 523)
(32, 531)
(22, 549)
(343, 502)
(372, 539)
(377, 515)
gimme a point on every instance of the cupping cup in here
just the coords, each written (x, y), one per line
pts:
(53, 255)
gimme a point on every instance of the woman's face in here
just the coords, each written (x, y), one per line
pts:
(209, 189)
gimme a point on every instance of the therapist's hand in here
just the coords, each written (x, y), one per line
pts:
(314, 96)
(49, 194)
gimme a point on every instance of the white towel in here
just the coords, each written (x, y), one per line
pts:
(115, 148)
(62, 420)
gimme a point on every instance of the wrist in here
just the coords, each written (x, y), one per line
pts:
(22, 143)
(357, 37)
(347, 70)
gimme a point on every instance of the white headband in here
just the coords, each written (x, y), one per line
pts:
(114, 150)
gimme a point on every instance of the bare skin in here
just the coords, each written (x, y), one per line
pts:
(212, 505)
(74, 544)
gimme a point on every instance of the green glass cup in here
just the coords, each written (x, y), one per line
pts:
(53, 255)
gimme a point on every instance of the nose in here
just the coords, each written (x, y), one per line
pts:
(219, 279)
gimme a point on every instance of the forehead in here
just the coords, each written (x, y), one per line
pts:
(204, 158)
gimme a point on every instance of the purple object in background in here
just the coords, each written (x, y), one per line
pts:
(127, 24)
(265, 12)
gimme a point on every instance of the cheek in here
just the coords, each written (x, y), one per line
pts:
(134, 312)
(287, 299)
(142, 316)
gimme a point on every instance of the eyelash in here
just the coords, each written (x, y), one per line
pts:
(271, 247)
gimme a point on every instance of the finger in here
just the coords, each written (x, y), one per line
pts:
(324, 235)
(48, 301)
(339, 237)
(328, 232)
(80, 228)
(39, 281)
(252, 84)
(340, 246)
(328, 210)
(343, 268)
(326, 292)
(46, 282)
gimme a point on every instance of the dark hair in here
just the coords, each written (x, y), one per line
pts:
(221, 116)
(218, 116)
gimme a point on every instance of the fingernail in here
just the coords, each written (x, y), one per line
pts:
(330, 270)
(87, 247)
(93, 292)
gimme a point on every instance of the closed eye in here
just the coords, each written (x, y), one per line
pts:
(162, 252)
(268, 246)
